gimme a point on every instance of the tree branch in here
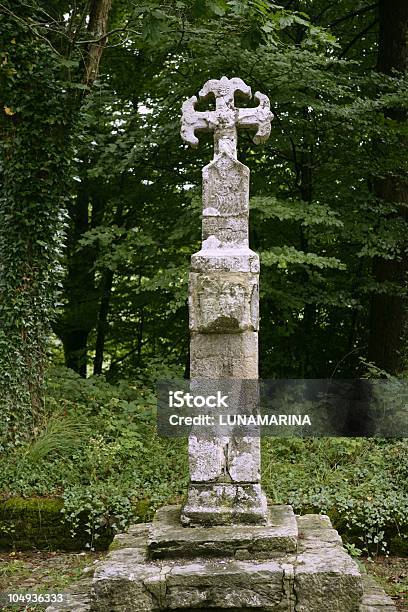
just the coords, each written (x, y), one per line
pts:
(357, 37)
(95, 41)
(356, 13)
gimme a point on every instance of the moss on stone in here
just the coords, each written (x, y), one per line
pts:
(44, 504)
(37, 523)
(143, 510)
(115, 545)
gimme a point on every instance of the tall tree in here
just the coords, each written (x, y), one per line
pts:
(41, 91)
(388, 314)
(79, 314)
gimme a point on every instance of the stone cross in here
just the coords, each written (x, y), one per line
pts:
(223, 307)
(226, 117)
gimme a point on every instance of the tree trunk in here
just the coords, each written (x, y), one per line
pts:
(105, 293)
(310, 310)
(75, 350)
(106, 286)
(80, 311)
(388, 311)
(98, 27)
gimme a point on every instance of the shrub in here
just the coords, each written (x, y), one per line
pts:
(98, 449)
(360, 483)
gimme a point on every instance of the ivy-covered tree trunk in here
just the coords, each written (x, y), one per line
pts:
(38, 103)
(35, 160)
(388, 313)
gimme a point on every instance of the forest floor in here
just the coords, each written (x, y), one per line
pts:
(392, 574)
(51, 572)
(41, 572)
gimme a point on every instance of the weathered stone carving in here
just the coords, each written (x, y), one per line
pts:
(226, 117)
(226, 187)
(223, 304)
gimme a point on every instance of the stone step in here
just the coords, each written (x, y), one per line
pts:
(78, 599)
(318, 576)
(374, 599)
(326, 577)
(168, 539)
(125, 584)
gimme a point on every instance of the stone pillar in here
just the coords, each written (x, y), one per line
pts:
(223, 305)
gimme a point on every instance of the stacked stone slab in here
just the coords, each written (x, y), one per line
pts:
(290, 564)
(223, 304)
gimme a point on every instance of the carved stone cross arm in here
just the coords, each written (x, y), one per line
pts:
(193, 121)
(226, 117)
(258, 118)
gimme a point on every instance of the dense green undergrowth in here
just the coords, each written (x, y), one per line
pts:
(99, 451)
(361, 483)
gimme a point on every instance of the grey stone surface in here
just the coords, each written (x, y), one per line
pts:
(135, 537)
(374, 599)
(223, 305)
(228, 584)
(224, 504)
(226, 188)
(76, 598)
(223, 302)
(225, 459)
(167, 538)
(126, 581)
(211, 258)
(201, 568)
(226, 117)
(219, 356)
(123, 584)
(243, 462)
(326, 577)
(230, 231)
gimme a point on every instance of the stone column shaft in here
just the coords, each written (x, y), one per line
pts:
(223, 306)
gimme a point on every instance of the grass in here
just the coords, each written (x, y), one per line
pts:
(41, 572)
(60, 436)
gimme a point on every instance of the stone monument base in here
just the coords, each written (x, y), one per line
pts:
(224, 504)
(290, 564)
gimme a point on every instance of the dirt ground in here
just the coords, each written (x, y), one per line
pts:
(392, 574)
(52, 572)
(41, 572)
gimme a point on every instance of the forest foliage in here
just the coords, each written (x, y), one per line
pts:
(96, 169)
(100, 212)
